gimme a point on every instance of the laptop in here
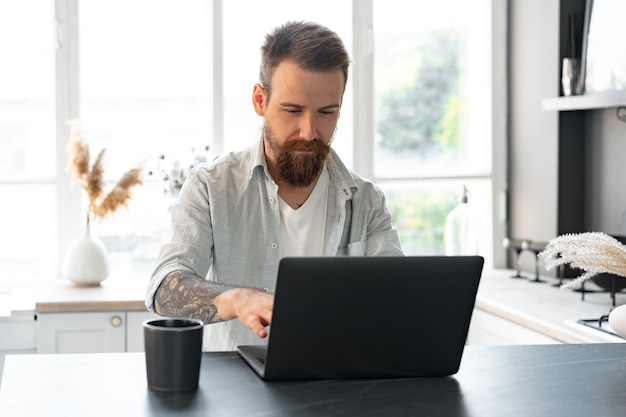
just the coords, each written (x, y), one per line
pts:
(368, 317)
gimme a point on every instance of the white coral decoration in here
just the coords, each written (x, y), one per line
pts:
(173, 173)
(593, 252)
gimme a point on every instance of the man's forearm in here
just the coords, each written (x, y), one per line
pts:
(183, 294)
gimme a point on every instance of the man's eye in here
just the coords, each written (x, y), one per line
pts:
(293, 111)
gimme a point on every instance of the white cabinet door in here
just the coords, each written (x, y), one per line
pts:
(134, 329)
(81, 332)
(18, 331)
(17, 335)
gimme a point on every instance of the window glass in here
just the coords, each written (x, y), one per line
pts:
(419, 210)
(27, 146)
(145, 91)
(26, 86)
(432, 115)
(145, 86)
(28, 232)
(243, 35)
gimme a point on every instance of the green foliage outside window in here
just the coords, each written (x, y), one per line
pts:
(420, 219)
(424, 115)
(421, 114)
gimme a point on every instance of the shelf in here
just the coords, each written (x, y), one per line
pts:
(605, 100)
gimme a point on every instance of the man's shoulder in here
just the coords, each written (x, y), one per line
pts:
(236, 158)
(232, 163)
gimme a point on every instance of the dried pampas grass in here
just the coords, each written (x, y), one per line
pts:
(593, 252)
(91, 179)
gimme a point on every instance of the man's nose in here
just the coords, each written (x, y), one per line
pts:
(307, 127)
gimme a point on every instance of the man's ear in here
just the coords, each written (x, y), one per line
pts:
(258, 99)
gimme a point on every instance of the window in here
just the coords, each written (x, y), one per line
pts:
(432, 116)
(27, 170)
(147, 78)
(143, 94)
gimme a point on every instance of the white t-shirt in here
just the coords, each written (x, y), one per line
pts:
(302, 230)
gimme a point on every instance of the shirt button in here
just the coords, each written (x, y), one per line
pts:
(272, 200)
(274, 245)
(266, 289)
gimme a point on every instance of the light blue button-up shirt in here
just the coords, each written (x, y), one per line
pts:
(226, 227)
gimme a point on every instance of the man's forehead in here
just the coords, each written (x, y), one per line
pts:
(296, 86)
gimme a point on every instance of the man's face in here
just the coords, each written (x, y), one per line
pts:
(300, 118)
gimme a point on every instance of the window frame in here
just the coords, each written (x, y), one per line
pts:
(68, 201)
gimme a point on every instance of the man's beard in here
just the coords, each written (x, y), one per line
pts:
(297, 169)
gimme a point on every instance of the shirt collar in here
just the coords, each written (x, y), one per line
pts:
(259, 161)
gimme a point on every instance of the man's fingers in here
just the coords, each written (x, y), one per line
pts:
(257, 325)
(254, 309)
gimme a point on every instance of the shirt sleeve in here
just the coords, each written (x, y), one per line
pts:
(382, 236)
(191, 243)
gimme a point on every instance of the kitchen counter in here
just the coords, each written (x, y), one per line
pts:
(540, 380)
(540, 307)
(113, 294)
(61, 296)
(544, 308)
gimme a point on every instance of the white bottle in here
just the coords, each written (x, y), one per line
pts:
(461, 235)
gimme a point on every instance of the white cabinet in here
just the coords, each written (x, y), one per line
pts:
(134, 329)
(18, 331)
(17, 335)
(91, 332)
(81, 332)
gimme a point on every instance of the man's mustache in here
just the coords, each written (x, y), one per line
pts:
(315, 145)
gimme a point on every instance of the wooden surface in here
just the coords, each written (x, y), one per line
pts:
(537, 380)
(114, 294)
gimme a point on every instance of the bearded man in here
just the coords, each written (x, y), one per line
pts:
(290, 195)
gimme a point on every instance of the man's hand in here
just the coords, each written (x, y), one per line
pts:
(252, 307)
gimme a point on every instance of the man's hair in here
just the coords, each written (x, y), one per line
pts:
(311, 46)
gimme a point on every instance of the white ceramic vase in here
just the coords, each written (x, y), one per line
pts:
(617, 320)
(86, 262)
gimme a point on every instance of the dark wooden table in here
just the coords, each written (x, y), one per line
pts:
(543, 380)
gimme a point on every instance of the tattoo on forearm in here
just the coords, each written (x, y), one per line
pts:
(183, 294)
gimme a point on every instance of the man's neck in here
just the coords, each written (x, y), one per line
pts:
(293, 195)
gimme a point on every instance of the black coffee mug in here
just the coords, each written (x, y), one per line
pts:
(173, 353)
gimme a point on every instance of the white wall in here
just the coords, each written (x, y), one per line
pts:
(606, 173)
(533, 69)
